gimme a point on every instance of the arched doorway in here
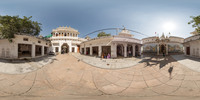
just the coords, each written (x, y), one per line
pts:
(136, 50)
(129, 50)
(188, 51)
(120, 50)
(65, 48)
(162, 48)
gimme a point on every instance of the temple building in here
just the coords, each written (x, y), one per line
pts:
(23, 46)
(121, 45)
(192, 45)
(163, 44)
(65, 39)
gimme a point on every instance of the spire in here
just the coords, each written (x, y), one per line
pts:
(124, 27)
(163, 36)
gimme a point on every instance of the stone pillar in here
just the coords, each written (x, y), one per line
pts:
(59, 48)
(113, 50)
(157, 49)
(42, 50)
(125, 50)
(139, 49)
(133, 46)
(70, 47)
(91, 50)
(166, 49)
(81, 50)
(33, 51)
(99, 53)
(85, 50)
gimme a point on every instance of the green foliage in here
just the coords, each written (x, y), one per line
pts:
(10, 25)
(102, 34)
(196, 23)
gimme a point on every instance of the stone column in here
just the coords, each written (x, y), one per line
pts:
(59, 48)
(81, 50)
(91, 50)
(133, 46)
(42, 50)
(85, 50)
(166, 49)
(99, 53)
(113, 50)
(139, 49)
(157, 49)
(125, 50)
(70, 47)
(33, 51)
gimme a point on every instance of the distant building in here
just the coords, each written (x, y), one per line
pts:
(121, 45)
(23, 46)
(192, 45)
(65, 39)
(163, 44)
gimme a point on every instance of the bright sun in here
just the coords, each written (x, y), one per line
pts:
(169, 26)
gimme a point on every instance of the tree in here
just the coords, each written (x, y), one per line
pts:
(102, 34)
(196, 23)
(10, 25)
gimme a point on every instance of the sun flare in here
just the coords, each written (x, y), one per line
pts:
(169, 26)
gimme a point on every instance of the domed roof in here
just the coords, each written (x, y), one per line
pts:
(125, 33)
(65, 29)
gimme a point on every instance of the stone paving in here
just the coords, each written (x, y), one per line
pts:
(24, 66)
(190, 62)
(71, 78)
(108, 63)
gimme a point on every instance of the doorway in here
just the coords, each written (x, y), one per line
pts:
(95, 51)
(120, 50)
(188, 51)
(162, 48)
(64, 48)
(24, 50)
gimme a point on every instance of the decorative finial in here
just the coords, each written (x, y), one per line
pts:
(124, 27)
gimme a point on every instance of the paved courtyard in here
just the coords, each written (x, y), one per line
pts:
(69, 77)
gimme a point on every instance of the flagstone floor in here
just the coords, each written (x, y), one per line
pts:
(71, 78)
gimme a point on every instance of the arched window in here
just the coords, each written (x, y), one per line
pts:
(56, 34)
(65, 34)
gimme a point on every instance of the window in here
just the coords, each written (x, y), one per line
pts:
(25, 39)
(39, 41)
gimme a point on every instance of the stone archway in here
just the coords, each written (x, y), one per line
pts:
(162, 48)
(129, 50)
(64, 48)
(120, 50)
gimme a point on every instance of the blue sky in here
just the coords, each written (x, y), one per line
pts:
(145, 16)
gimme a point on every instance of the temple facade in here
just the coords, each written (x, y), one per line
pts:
(65, 39)
(121, 45)
(192, 45)
(163, 45)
